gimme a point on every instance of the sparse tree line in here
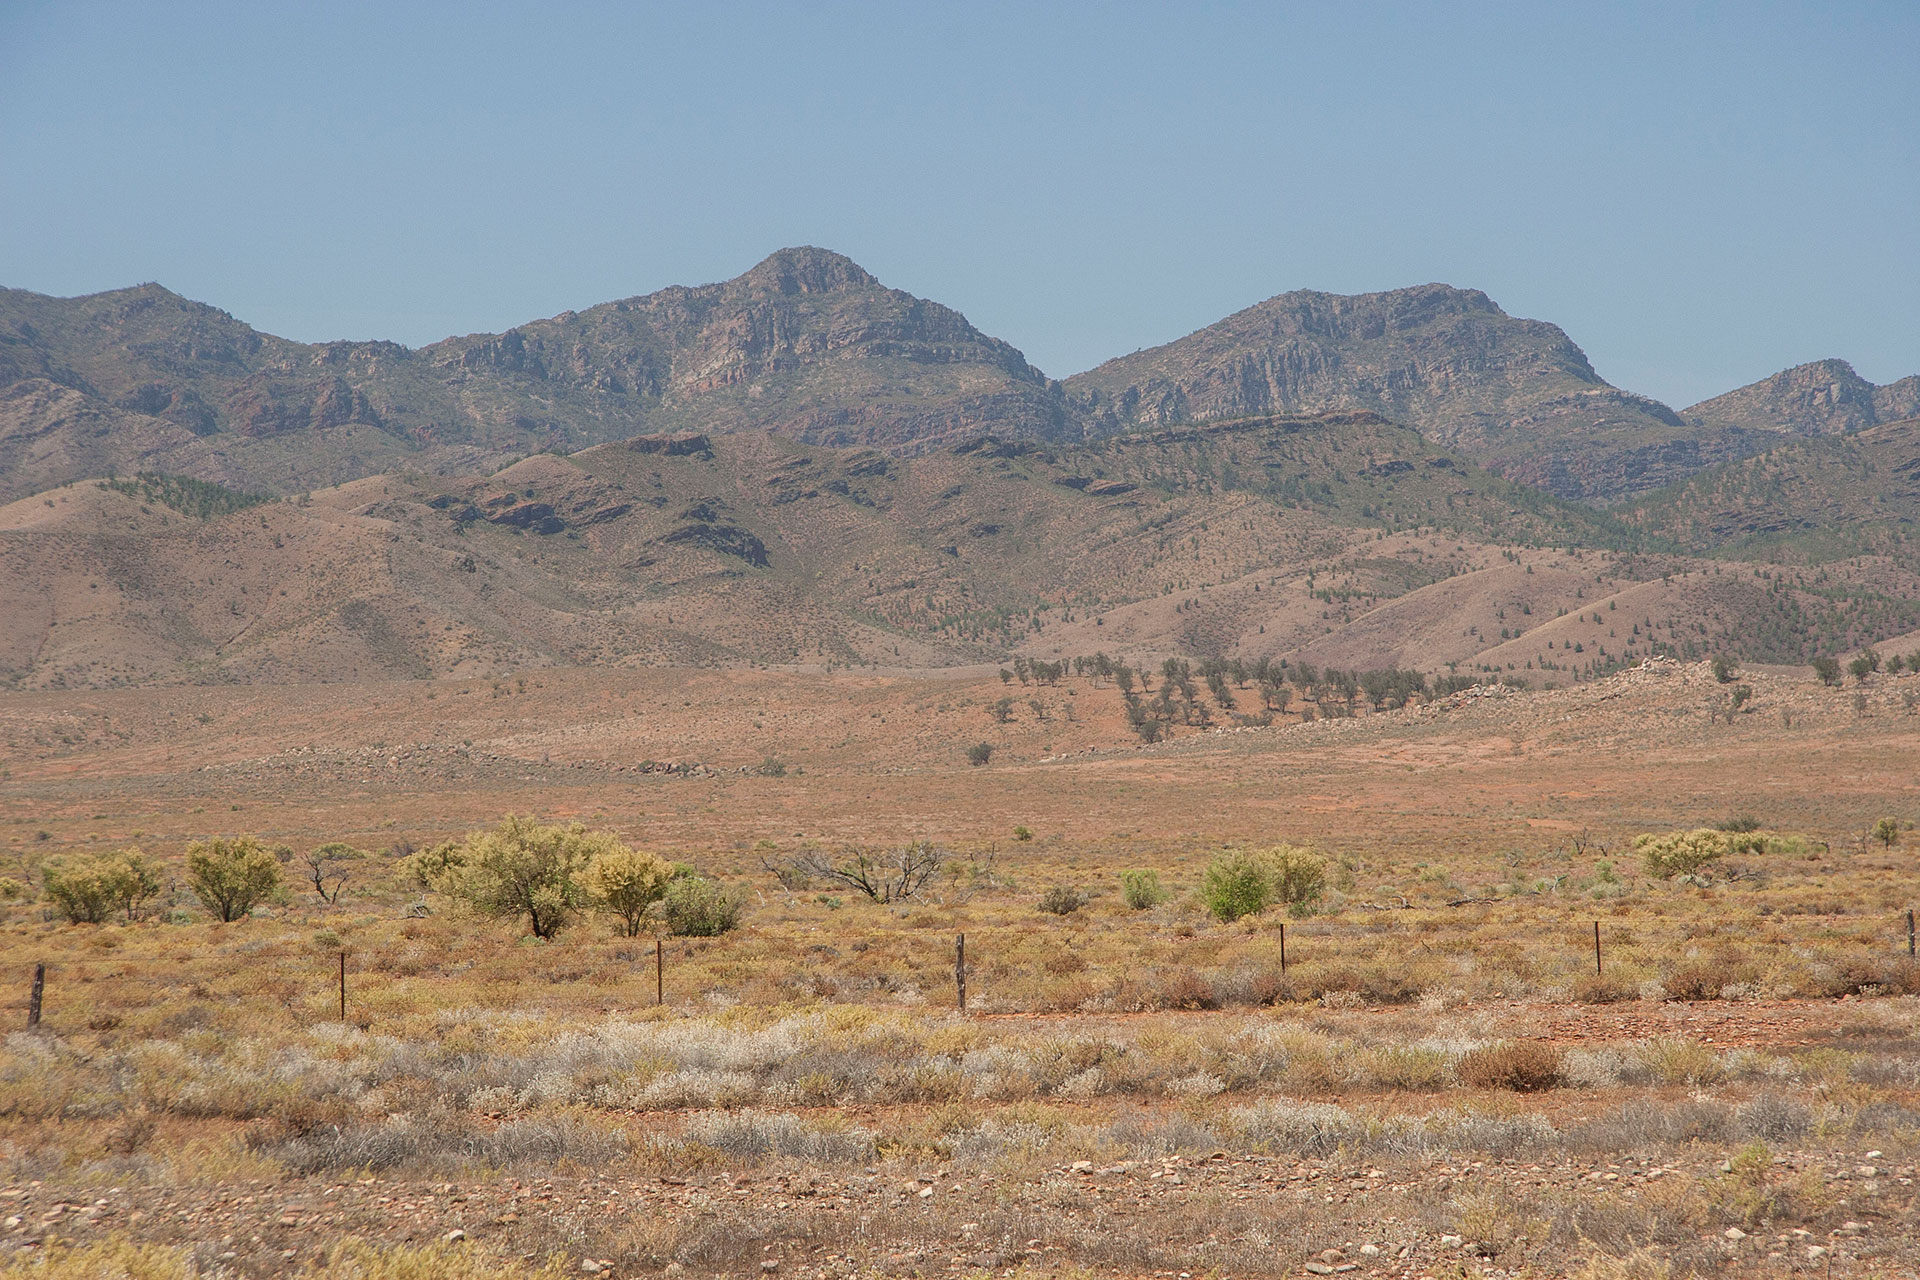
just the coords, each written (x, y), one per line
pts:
(1270, 686)
(546, 875)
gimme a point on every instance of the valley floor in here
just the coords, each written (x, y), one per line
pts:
(1141, 1093)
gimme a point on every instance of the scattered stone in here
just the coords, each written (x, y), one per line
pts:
(1734, 1233)
(1319, 1269)
(769, 1264)
(1083, 1166)
(1369, 1250)
(1452, 1242)
(1815, 1252)
(454, 1236)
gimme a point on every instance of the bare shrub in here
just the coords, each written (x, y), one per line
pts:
(752, 1136)
(889, 875)
(1696, 980)
(1186, 989)
(1597, 988)
(1522, 1066)
(1062, 900)
(439, 1141)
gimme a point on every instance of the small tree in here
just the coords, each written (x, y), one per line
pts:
(626, 883)
(232, 877)
(1887, 832)
(1828, 669)
(892, 875)
(1141, 889)
(88, 889)
(979, 753)
(1681, 853)
(326, 868)
(1723, 669)
(1865, 664)
(520, 868)
(696, 907)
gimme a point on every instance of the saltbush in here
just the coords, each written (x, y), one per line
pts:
(696, 907)
(1522, 1066)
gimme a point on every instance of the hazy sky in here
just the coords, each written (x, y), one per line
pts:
(1698, 194)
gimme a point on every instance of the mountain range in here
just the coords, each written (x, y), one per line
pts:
(803, 466)
(809, 346)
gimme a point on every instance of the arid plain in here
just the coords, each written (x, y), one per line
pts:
(1435, 1081)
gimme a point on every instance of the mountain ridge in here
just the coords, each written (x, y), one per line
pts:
(809, 345)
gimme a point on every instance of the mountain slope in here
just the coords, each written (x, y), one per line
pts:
(1833, 495)
(1515, 395)
(698, 548)
(1824, 397)
(805, 344)
(1342, 539)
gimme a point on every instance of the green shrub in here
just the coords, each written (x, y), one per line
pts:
(232, 877)
(1141, 889)
(1299, 877)
(696, 907)
(1681, 853)
(88, 889)
(1828, 669)
(1236, 884)
(979, 753)
(1243, 883)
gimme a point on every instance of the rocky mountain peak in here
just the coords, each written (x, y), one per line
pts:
(806, 269)
(1821, 397)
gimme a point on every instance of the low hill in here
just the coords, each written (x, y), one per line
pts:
(1515, 395)
(1341, 539)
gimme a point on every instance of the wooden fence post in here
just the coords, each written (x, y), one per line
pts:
(1596, 947)
(1283, 946)
(960, 970)
(33, 1000)
(1909, 933)
(343, 984)
(659, 972)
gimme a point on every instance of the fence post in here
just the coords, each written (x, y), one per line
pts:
(1596, 947)
(1909, 933)
(1283, 946)
(659, 972)
(960, 970)
(343, 984)
(33, 1000)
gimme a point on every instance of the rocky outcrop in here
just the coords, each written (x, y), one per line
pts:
(1515, 394)
(1824, 397)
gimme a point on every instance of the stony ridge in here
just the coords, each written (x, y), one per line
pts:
(1822, 397)
(1516, 395)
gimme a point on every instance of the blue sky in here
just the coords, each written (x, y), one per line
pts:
(1700, 195)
